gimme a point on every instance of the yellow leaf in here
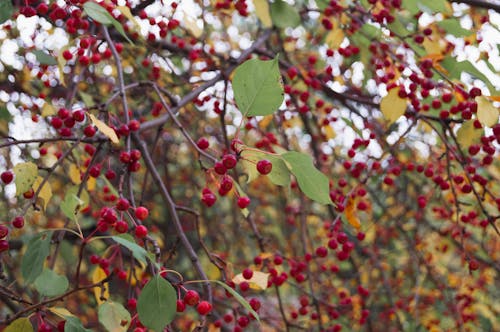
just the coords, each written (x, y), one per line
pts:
(20, 325)
(26, 174)
(191, 25)
(350, 213)
(258, 280)
(48, 109)
(432, 47)
(468, 135)
(45, 193)
(328, 132)
(392, 106)
(487, 114)
(266, 120)
(61, 62)
(104, 128)
(74, 174)
(61, 312)
(98, 276)
(262, 11)
(91, 182)
(126, 12)
(493, 98)
(334, 38)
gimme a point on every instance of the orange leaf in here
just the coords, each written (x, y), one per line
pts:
(350, 213)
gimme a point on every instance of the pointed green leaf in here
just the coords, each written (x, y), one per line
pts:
(455, 70)
(6, 10)
(114, 317)
(50, 283)
(20, 325)
(26, 174)
(434, 6)
(34, 257)
(101, 15)
(128, 242)
(73, 324)
(284, 15)
(87, 99)
(44, 58)
(238, 298)
(311, 181)
(71, 205)
(257, 86)
(157, 304)
(453, 27)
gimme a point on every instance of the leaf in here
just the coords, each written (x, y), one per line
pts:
(104, 128)
(238, 298)
(138, 252)
(5, 114)
(114, 317)
(156, 304)
(61, 62)
(128, 14)
(284, 15)
(87, 99)
(26, 174)
(35, 255)
(45, 193)
(350, 213)
(97, 276)
(435, 6)
(468, 135)
(455, 70)
(312, 182)
(50, 283)
(44, 58)
(257, 85)
(334, 38)
(6, 10)
(101, 15)
(487, 114)
(20, 325)
(192, 26)
(262, 11)
(258, 280)
(61, 312)
(71, 205)
(392, 106)
(48, 109)
(280, 175)
(73, 324)
(74, 174)
(453, 27)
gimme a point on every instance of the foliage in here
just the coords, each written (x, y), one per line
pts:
(249, 165)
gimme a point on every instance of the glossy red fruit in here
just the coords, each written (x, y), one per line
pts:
(7, 177)
(141, 213)
(18, 222)
(181, 306)
(204, 308)
(247, 274)
(122, 204)
(229, 161)
(141, 231)
(121, 226)
(4, 231)
(243, 202)
(203, 143)
(191, 298)
(4, 245)
(264, 166)
(208, 199)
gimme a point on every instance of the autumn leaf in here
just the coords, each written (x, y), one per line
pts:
(258, 280)
(393, 106)
(350, 213)
(104, 128)
(487, 114)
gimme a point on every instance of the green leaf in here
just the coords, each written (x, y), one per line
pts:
(128, 242)
(258, 89)
(114, 317)
(73, 324)
(238, 298)
(453, 27)
(101, 15)
(455, 70)
(411, 6)
(371, 31)
(20, 325)
(35, 255)
(311, 181)
(434, 6)
(87, 99)
(157, 304)
(50, 283)
(44, 58)
(468, 135)
(71, 205)
(26, 174)
(5, 114)
(6, 10)
(284, 15)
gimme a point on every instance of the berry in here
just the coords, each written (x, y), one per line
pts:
(191, 298)
(89, 131)
(473, 265)
(229, 161)
(247, 274)
(243, 202)
(208, 199)
(121, 226)
(18, 222)
(4, 245)
(7, 177)
(132, 303)
(204, 308)
(219, 168)
(203, 143)
(141, 231)
(134, 125)
(321, 252)
(181, 306)
(264, 166)
(122, 204)
(4, 231)
(141, 213)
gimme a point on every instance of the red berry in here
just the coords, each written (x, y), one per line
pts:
(29, 194)
(122, 204)
(4, 231)
(18, 222)
(89, 131)
(219, 168)
(141, 231)
(229, 161)
(7, 177)
(4, 245)
(473, 265)
(191, 298)
(141, 213)
(134, 125)
(264, 166)
(78, 115)
(208, 199)
(121, 226)
(204, 308)
(203, 143)
(247, 274)
(243, 202)
(125, 157)
(321, 251)
(181, 306)
(132, 303)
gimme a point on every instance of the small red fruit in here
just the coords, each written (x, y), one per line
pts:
(264, 166)
(141, 213)
(122, 204)
(204, 308)
(18, 222)
(4, 245)
(132, 303)
(121, 226)
(191, 298)
(229, 161)
(243, 202)
(181, 306)
(247, 274)
(7, 177)
(4, 231)
(141, 231)
(203, 143)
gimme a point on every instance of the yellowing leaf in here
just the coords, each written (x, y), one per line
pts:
(48, 109)
(20, 325)
(26, 174)
(432, 47)
(61, 62)
(468, 135)
(126, 12)
(104, 128)
(350, 213)
(258, 280)
(45, 193)
(392, 106)
(487, 114)
(328, 132)
(493, 98)
(74, 174)
(91, 184)
(334, 38)
(61, 312)
(262, 11)
(192, 26)
(98, 276)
